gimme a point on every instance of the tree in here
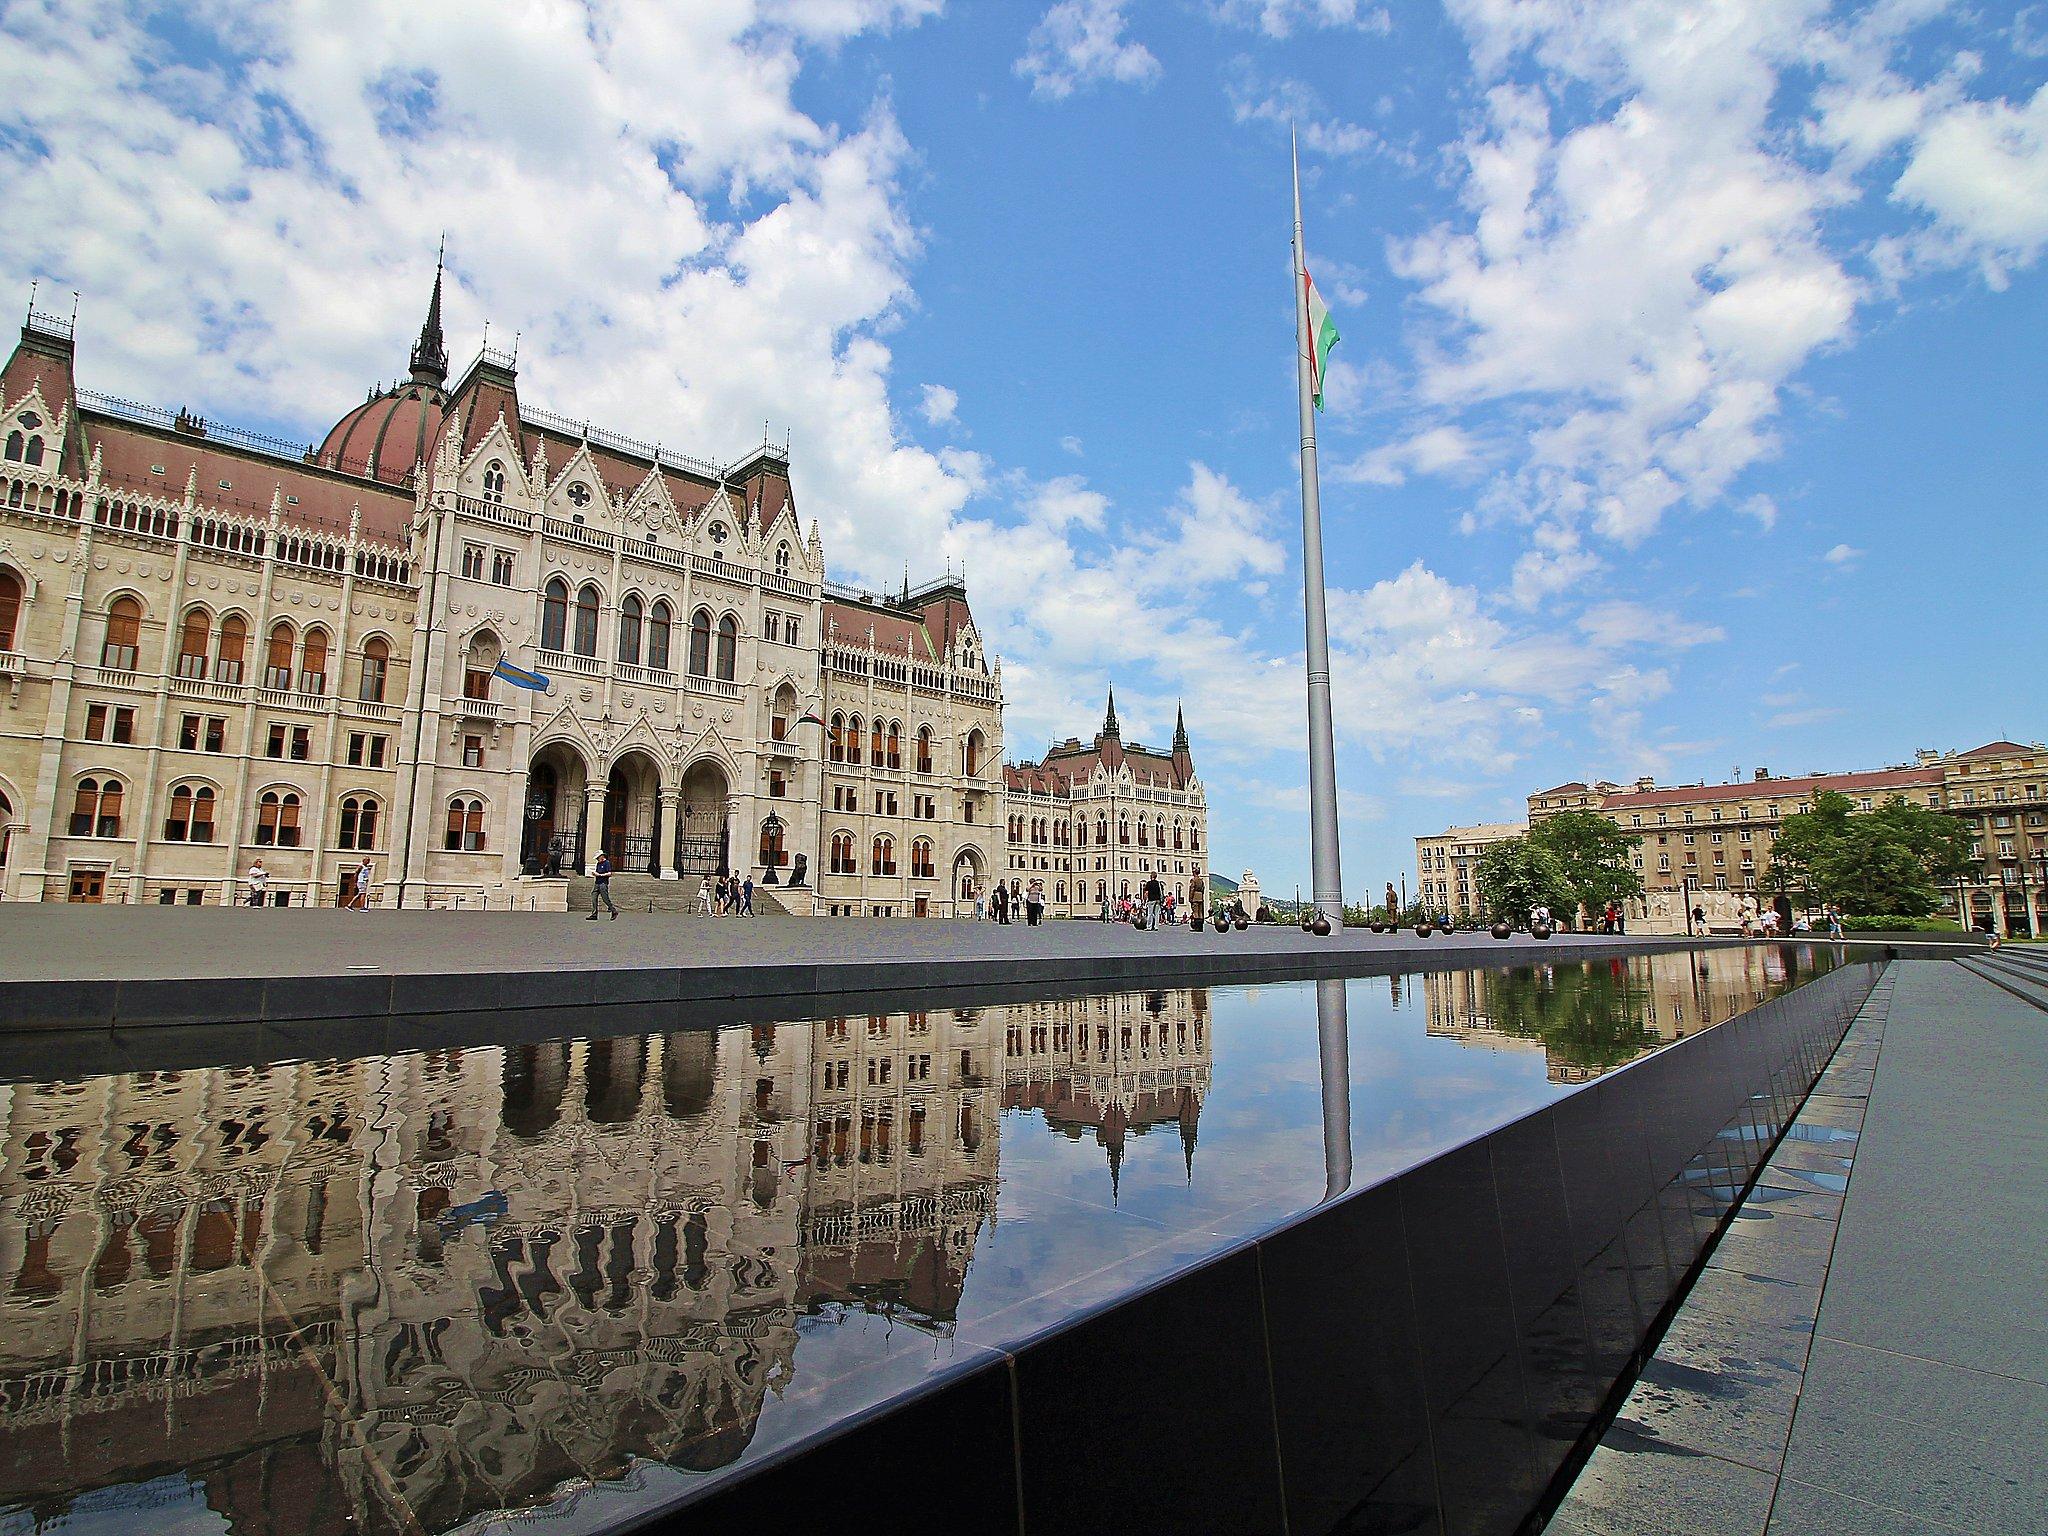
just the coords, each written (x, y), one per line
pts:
(1517, 874)
(1595, 855)
(1892, 861)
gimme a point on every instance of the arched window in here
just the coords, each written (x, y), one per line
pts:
(277, 819)
(192, 637)
(773, 829)
(657, 637)
(1101, 827)
(700, 643)
(124, 634)
(921, 866)
(728, 646)
(358, 824)
(234, 640)
(587, 604)
(376, 664)
(842, 853)
(924, 749)
(1176, 833)
(10, 608)
(876, 752)
(313, 664)
(494, 481)
(853, 739)
(629, 630)
(836, 739)
(782, 559)
(1144, 841)
(895, 743)
(191, 815)
(554, 616)
(277, 666)
(14, 446)
(97, 810)
(465, 825)
(34, 455)
(1059, 893)
(974, 751)
(1194, 838)
(883, 860)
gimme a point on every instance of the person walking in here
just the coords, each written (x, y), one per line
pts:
(259, 883)
(980, 904)
(1834, 921)
(999, 903)
(704, 897)
(1155, 898)
(1034, 903)
(601, 887)
(747, 897)
(359, 898)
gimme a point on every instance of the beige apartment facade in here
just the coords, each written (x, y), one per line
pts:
(1447, 866)
(1707, 846)
(217, 648)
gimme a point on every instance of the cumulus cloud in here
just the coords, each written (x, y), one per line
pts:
(1284, 103)
(940, 404)
(1081, 43)
(1618, 624)
(1843, 556)
(1432, 451)
(1279, 18)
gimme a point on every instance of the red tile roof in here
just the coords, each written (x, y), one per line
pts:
(1776, 789)
(1997, 749)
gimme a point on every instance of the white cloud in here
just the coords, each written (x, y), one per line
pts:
(1618, 623)
(1079, 43)
(1279, 18)
(1980, 169)
(1071, 444)
(1842, 556)
(1282, 104)
(1432, 451)
(940, 404)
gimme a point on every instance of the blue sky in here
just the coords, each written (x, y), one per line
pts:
(1688, 415)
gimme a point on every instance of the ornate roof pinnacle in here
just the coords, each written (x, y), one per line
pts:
(430, 352)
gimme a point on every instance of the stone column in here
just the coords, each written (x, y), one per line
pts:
(591, 810)
(743, 861)
(668, 810)
(661, 799)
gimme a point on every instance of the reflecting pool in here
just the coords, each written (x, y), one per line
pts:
(462, 1287)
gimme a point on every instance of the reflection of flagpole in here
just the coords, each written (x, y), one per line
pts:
(1326, 877)
(1333, 1036)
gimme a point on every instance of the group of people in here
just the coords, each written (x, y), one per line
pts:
(362, 882)
(717, 895)
(1005, 903)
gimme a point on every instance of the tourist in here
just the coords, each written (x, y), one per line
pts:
(1699, 918)
(747, 897)
(999, 903)
(1155, 898)
(1834, 921)
(980, 905)
(1034, 903)
(601, 887)
(359, 898)
(704, 897)
(1171, 916)
(259, 883)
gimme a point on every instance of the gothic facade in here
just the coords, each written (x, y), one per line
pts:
(216, 647)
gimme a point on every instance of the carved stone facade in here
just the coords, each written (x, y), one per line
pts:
(216, 648)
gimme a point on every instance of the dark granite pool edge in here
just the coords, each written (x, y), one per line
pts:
(155, 1002)
(1431, 1351)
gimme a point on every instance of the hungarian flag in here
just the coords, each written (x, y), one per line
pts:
(1322, 335)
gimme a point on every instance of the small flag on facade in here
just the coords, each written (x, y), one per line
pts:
(519, 677)
(810, 717)
(1322, 335)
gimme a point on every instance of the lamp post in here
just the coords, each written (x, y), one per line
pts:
(1685, 896)
(771, 835)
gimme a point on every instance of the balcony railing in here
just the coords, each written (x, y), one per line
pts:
(648, 677)
(712, 687)
(204, 688)
(480, 709)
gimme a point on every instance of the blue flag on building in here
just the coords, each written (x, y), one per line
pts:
(519, 677)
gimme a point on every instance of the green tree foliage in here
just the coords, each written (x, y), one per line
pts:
(1894, 860)
(1595, 855)
(1517, 874)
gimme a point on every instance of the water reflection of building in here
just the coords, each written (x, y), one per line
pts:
(1588, 1017)
(411, 1289)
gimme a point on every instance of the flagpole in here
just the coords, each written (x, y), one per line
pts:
(1326, 874)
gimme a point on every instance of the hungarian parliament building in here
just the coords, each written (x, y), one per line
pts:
(471, 643)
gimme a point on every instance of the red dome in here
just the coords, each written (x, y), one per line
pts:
(388, 434)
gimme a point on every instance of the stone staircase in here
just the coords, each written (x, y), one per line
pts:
(2022, 969)
(645, 893)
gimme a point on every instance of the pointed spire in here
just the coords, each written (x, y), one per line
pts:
(1180, 728)
(430, 352)
(1109, 725)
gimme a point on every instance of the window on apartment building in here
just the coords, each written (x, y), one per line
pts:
(465, 832)
(358, 832)
(110, 723)
(124, 635)
(96, 809)
(190, 818)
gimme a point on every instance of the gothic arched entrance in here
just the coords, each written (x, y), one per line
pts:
(701, 830)
(966, 878)
(552, 831)
(632, 815)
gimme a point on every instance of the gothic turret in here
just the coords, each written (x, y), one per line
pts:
(430, 352)
(1110, 743)
(1183, 755)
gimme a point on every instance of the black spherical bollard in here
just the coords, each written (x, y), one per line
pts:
(1222, 923)
(1541, 930)
(1422, 930)
(1502, 930)
(1321, 926)
(1240, 923)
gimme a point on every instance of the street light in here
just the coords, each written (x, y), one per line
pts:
(771, 835)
